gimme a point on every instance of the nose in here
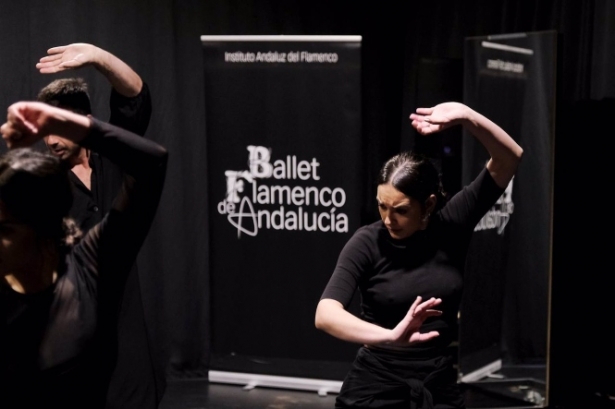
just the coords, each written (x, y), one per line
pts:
(51, 140)
(388, 220)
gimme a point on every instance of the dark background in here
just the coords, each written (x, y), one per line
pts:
(410, 51)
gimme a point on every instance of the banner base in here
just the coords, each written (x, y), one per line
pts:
(251, 381)
(482, 372)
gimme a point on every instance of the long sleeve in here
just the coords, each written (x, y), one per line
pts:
(111, 247)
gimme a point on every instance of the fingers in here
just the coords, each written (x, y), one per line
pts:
(21, 116)
(48, 65)
(416, 303)
(59, 59)
(432, 302)
(5, 130)
(50, 58)
(426, 306)
(424, 127)
(407, 330)
(411, 311)
(432, 313)
(53, 54)
(424, 111)
(423, 123)
(46, 68)
(23, 125)
(420, 117)
(11, 134)
(423, 336)
(15, 128)
(57, 50)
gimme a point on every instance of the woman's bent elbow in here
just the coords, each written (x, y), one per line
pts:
(320, 318)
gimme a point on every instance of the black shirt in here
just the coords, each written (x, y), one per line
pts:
(391, 273)
(89, 206)
(50, 342)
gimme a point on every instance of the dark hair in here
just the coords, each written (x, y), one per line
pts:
(414, 175)
(35, 189)
(67, 93)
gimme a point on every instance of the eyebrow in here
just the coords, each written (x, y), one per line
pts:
(397, 206)
(402, 205)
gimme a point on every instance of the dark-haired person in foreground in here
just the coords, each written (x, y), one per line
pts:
(408, 268)
(55, 286)
(138, 380)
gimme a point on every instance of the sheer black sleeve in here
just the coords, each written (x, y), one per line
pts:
(110, 248)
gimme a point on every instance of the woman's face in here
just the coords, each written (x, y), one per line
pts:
(18, 245)
(402, 215)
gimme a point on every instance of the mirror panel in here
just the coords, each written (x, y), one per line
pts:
(504, 316)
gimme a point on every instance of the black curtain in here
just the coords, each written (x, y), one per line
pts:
(161, 40)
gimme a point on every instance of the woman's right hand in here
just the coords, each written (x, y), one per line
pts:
(332, 318)
(29, 121)
(407, 332)
(19, 131)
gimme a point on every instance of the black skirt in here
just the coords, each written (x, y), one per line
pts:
(388, 379)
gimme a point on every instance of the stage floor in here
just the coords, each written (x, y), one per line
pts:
(516, 389)
(199, 394)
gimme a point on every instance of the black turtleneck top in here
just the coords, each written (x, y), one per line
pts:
(391, 273)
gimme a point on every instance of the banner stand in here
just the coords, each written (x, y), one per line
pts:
(284, 142)
(251, 381)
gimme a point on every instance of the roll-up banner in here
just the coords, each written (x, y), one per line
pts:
(511, 79)
(283, 129)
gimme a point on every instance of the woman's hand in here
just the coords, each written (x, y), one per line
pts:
(438, 118)
(504, 151)
(21, 127)
(407, 332)
(332, 318)
(27, 122)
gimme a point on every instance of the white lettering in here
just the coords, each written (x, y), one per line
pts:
(259, 161)
(290, 213)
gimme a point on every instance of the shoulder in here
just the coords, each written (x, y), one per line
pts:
(473, 200)
(367, 235)
(483, 184)
(370, 231)
(484, 181)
